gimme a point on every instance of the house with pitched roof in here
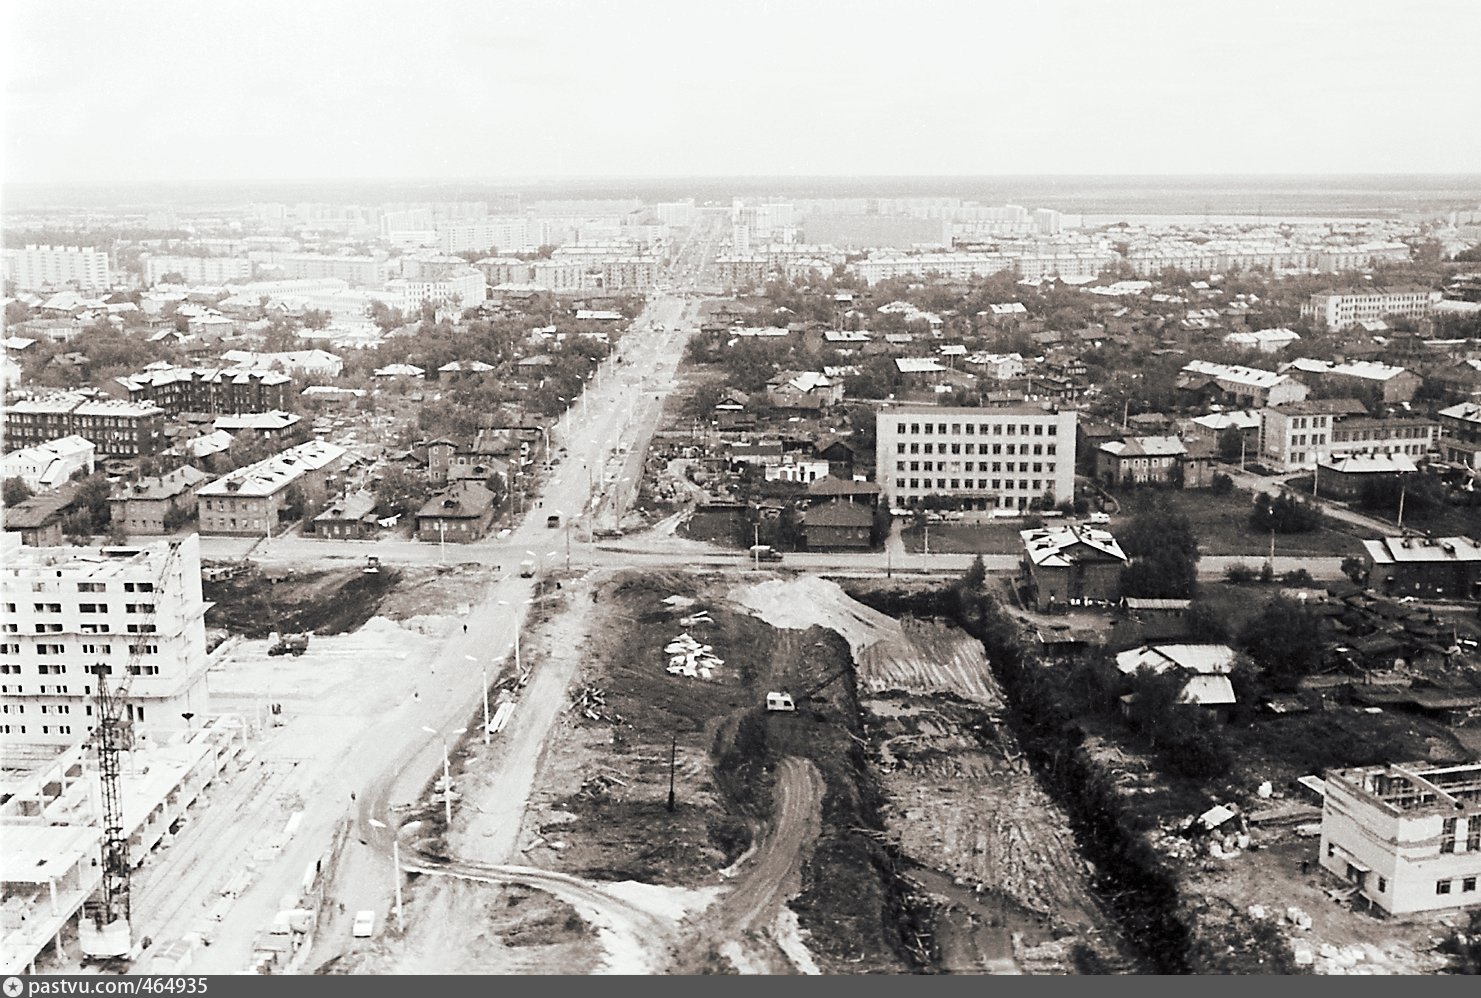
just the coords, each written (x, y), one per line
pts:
(1205, 669)
(1071, 563)
(461, 513)
(837, 525)
(152, 505)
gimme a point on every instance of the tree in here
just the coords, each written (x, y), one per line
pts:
(1285, 640)
(316, 318)
(400, 491)
(1163, 552)
(1355, 569)
(1203, 623)
(1284, 514)
(16, 491)
(1231, 444)
(976, 575)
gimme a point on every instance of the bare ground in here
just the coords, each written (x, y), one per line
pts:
(961, 801)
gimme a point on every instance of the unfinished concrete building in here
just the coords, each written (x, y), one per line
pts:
(1406, 836)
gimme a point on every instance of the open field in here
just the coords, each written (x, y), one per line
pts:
(1221, 524)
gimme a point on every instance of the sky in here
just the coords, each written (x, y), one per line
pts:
(176, 90)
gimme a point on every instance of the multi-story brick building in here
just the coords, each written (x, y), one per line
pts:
(1239, 386)
(116, 428)
(1460, 434)
(231, 390)
(134, 612)
(248, 501)
(985, 458)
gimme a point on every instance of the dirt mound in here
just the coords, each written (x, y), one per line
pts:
(256, 603)
(917, 656)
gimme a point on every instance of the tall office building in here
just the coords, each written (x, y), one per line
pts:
(985, 458)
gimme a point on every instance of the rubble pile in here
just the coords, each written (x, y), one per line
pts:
(591, 702)
(687, 657)
(599, 786)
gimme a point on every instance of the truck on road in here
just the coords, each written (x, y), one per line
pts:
(527, 569)
(764, 552)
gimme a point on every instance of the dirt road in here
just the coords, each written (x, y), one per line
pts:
(636, 940)
(748, 926)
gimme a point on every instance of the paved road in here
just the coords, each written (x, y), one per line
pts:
(605, 428)
(642, 551)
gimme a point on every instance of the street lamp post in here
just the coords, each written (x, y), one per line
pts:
(395, 867)
(484, 672)
(447, 779)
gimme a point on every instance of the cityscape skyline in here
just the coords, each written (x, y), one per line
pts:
(174, 92)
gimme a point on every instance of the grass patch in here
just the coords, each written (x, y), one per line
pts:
(1000, 537)
(1222, 525)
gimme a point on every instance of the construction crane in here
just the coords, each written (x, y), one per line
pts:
(109, 934)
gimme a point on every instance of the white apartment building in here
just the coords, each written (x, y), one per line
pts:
(766, 222)
(1341, 311)
(465, 288)
(43, 268)
(1299, 435)
(1334, 259)
(552, 275)
(510, 234)
(678, 214)
(135, 612)
(987, 458)
(364, 271)
(1408, 837)
(198, 269)
(952, 266)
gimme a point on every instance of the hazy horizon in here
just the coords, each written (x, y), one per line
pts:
(1348, 195)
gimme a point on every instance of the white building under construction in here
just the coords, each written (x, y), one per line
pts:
(134, 613)
(1408, 837)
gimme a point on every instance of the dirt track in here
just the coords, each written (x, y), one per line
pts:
(756, 939)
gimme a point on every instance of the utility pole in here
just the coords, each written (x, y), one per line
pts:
(1402, 489)
(673, 752)
(756, 544)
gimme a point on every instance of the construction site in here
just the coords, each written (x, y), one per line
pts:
(682, 771)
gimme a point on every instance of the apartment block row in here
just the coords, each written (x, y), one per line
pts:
(117, 428)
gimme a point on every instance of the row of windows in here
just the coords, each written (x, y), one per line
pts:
(982, 484)
(1009, 449)
(1038, 467)
(1473, 834)
(1395, 433)
(46, 729)
(20, 708)
(971, 429)
(1467, 885)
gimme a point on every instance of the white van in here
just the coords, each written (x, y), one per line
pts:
(364, 924)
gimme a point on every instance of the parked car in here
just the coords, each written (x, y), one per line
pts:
(364, 924)
(1099, 518)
